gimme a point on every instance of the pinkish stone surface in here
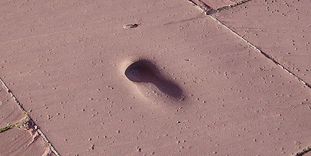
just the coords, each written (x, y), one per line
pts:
(68, 66)
(219, 4)
(17, 142)
(279, 28)
(215, 4)
(9, 110)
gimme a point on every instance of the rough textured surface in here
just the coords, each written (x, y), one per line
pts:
(279, 28)
(16, 134)
(17, 142)
(216, 4)
(219, 4)
(9, 111)
(307, 154)
(75, 55)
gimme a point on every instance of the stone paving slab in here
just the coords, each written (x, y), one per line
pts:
(16, 134)
(9, 110)
(18, 142)
(72, 77)
(279, 28)
(218, 4)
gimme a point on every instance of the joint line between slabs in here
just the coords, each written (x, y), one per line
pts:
(264, 54)
(211, 11)
(23, 110)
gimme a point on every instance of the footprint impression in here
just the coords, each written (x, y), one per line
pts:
(151, 83)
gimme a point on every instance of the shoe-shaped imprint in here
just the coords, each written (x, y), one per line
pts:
(151, 83)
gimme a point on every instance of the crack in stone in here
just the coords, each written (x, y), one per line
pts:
(201, 5)
(6, 128)
(252, 45)
(303, 151)
(228, 7)
(26, 123)
(209, 10)
(239, 3)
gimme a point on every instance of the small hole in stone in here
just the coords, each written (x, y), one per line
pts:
(144, 71)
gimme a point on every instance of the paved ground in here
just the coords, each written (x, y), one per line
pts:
(168, 77)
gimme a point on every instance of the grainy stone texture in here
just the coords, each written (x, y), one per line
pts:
(18, 142)
(67, 65)
(9, 110)
(280, 28)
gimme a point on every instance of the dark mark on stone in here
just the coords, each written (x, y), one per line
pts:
(209, 10)
(304, 151)
(145, 71)
(130, 26)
